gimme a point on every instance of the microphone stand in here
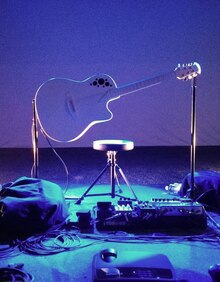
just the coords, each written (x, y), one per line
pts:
(193, 140)
(35, 142)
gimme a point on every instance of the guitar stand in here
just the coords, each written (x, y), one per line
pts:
(35, 168)
(112, 147)
(193, 188)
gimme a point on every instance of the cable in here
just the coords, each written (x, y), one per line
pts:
(9, 250)
(123, 237)
(13, 274)
(212, 220)
(61, 160)
(67, 240)
(50, 243)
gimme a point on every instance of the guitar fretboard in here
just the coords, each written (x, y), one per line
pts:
(138, 85)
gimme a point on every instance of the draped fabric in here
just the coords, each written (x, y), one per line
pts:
(207, 187)
(30, 206)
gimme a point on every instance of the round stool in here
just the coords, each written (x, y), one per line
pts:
(111, 147)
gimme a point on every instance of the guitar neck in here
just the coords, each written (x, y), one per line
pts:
(139, 85)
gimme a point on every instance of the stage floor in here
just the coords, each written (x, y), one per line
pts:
(148, 170)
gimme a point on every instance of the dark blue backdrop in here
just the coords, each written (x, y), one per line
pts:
(129, 40)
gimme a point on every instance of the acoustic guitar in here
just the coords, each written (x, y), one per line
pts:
(67, 108)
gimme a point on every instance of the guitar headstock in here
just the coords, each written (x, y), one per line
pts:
(187, 71)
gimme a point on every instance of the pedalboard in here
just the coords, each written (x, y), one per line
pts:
(159, 213)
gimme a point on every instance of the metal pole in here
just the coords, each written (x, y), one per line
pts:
(112, 156)
(193, 140)
(35, 171)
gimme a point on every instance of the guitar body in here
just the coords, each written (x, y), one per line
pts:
(66, 108)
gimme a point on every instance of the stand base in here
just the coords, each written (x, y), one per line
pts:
(111, 163)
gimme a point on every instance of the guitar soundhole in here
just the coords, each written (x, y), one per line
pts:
(101, 82)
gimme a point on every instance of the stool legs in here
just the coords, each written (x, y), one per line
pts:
(90, 187)
(126, 181)
(111, 163)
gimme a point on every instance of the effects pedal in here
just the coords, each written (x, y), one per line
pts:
(132, 266)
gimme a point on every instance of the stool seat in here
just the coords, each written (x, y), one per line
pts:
(113, 145)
